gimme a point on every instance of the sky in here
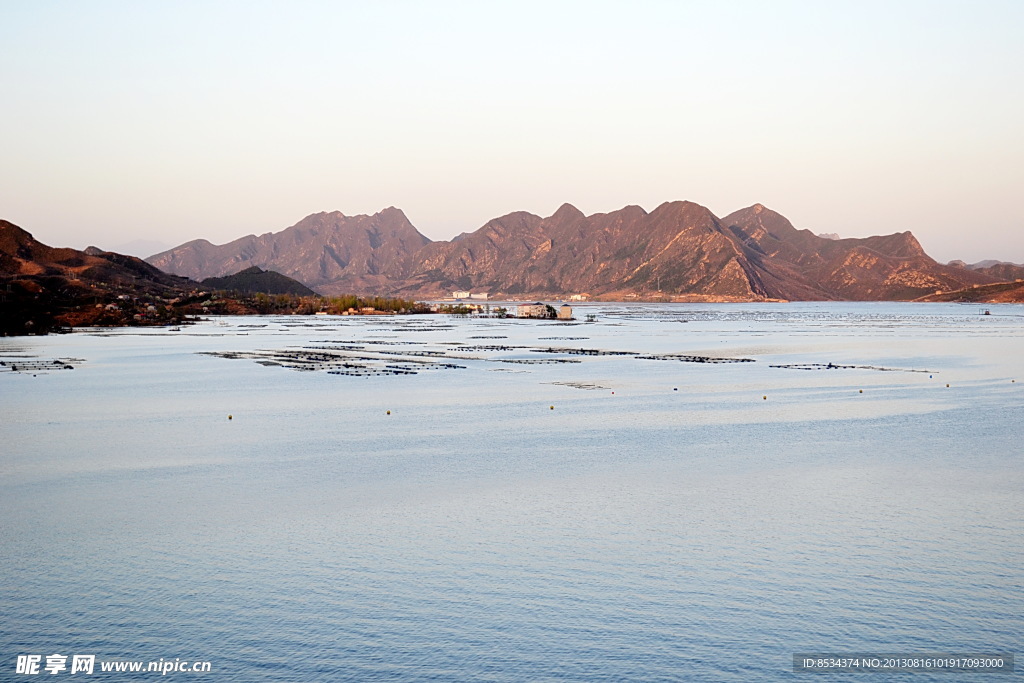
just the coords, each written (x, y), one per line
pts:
(171, 121)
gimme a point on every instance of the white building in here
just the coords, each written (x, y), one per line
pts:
(542, 310)
(536, 310)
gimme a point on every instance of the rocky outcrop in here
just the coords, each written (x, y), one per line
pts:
(45, 288)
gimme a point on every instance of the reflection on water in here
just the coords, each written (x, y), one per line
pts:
(448, 499)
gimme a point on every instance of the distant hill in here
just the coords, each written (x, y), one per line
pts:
(679, 251)
(255, 280)
(998, 293)
(980, 265)
(330, 252)
(1001, 270)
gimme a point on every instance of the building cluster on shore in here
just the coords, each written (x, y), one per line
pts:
(461, 295)
(537, 310)
(542, 310)
(478, 296)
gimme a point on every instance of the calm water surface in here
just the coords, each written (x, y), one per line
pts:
(664, 521)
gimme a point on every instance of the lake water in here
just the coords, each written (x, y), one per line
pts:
(537, 512)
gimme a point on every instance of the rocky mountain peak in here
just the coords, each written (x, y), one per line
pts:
(565, 213)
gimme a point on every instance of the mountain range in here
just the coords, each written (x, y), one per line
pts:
(680, 250)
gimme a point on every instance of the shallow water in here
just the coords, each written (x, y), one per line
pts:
(666, 520)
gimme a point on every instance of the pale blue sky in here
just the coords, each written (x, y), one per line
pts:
(177, 120)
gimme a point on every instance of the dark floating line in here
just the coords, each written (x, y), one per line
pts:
(352, 342)
(338, 363)
(695, 359)
(833, 366)
(433, 354)
(491, 347)
(535, 361)
(38, 365)
(580, 385)
(367, 372)
(585, 352)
